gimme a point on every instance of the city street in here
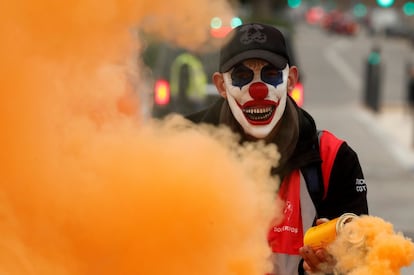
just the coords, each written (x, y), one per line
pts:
(334, 77)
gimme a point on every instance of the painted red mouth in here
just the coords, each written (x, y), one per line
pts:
(259, 112)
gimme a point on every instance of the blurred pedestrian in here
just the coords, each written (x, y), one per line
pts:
(254, 79)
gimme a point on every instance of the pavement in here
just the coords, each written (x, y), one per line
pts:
(394, 129)
(395, 124)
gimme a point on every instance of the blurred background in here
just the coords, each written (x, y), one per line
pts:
(356, 61)
(182, 75)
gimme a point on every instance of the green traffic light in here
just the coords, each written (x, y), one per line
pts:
(216, 23)
(294, 3)
(235, 22)
(360, 10)
(385, 3)
(408, 8)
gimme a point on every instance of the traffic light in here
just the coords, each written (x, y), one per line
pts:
(235, 22)
(385, 3)
(220, 29)
(408, 8)
(216, 23)
(294, 3)
(360, 10)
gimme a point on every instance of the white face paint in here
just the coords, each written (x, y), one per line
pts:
(257, 93)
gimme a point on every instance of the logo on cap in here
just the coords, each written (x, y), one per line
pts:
(252, 33)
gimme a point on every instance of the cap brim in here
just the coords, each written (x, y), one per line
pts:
(277, 60)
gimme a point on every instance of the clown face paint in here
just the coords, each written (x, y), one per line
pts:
(257, 93)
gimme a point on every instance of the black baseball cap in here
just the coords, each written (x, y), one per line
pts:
(254, 40)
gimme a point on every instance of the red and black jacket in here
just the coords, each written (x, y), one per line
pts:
(342, 195)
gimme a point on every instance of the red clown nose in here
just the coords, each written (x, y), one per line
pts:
(258, 90)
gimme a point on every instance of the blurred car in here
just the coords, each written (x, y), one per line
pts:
(182, 79)
(399, 30)
(340, 23)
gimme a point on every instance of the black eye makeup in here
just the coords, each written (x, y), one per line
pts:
(241, 75)
(271, 75)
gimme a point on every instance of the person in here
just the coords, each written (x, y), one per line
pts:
(254, 79)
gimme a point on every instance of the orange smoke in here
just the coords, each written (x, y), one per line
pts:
(87, 185)
(384, 252)
(129, 202)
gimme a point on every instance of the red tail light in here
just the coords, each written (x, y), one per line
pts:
(162, 92)
(297, 94)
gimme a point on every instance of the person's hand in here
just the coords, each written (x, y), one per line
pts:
(319, 260)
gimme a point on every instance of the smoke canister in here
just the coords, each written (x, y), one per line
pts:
(323, 234)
